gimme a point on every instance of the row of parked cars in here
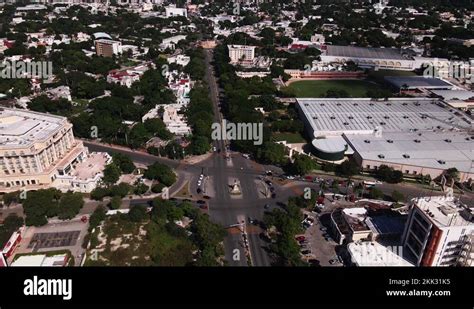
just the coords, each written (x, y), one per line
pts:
(304, 244)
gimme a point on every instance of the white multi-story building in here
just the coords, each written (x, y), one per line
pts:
(171, 42)
(171, 11)
(241, 53)
(39, 151)
(439, 232)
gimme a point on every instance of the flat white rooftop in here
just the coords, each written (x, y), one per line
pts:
(439, 150)
(348, 116)
(91, 166)
(454, 94)
(40, 260)
(245, 47)
(19, 128)
(370, 253)
(442, 211)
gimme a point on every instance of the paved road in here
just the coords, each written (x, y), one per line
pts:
(223, 208)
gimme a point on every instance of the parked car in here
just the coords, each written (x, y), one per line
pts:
(307, 224)
(207, 197)
(314, 262)
(332, 262)
(267, 206)
(304, 252)
(300, 238)
(201, 202)
(203, 207)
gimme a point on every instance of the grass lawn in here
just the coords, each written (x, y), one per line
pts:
(318, 88)
(288, 137)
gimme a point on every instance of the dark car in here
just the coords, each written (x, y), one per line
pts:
(314, 262)
(267, 206)
(203, 207)
(199, 190)
(207, 197)
(306, 252)
(201, 202)
(274, 195)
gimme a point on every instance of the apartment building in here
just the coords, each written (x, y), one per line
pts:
(439, 232)
(107, 48)
(241, 53)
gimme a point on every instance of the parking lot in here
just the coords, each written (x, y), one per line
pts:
(316, 247)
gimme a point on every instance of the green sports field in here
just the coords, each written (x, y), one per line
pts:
(318, 88)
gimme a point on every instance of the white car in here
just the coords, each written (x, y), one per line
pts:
(307, 223)
(290, 177)
(199, 182)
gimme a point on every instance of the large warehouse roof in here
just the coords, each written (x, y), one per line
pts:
(454, 94)
(439, 150)
(337, 116)
(417, 82)
(365, 52)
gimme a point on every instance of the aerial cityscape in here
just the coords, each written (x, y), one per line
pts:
(300, 133)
